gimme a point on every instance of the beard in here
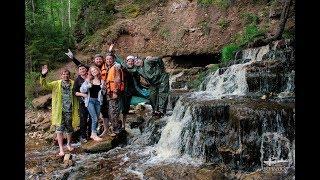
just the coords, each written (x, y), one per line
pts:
(98, 64)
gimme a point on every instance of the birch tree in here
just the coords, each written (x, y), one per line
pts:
(61, 14)
(32, 3)
(69, 13)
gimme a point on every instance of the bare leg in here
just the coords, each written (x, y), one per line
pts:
(105, 127)
(70, 148)
(123, 119)
(60, 142)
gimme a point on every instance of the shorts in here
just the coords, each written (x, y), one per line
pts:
(66, 123)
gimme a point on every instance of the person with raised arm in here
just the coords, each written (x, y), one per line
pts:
(64, 113)
(153, 70)
(98, 61)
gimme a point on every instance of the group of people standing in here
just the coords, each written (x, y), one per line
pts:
(105, 87)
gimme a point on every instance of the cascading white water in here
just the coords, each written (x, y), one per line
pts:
(289, 91)
(178, 140)
(255, 54)
(169, 144)
(175, 134)
(181, 139)
(275, 147)
(231, 82)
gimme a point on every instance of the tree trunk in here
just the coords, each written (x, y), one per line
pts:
(69, 9)
(283, 20)
(52, 15)
(280, 29)
(62, 14)
(32, 3)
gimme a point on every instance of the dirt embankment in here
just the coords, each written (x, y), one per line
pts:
(184, 27)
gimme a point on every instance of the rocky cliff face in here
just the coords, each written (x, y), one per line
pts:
(183, 27)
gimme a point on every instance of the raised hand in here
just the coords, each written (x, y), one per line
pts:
(110, 47)
(69, 54)
(44, 69)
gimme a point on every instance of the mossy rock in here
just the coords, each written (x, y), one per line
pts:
(102, 146)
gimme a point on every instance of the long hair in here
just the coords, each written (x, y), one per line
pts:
(90, 72)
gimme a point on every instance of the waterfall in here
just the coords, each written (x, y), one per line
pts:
(275, 147)
(170, 141)
(231, 82)
(185, 134)
(255, 54)
(181, 135)
(290, 86)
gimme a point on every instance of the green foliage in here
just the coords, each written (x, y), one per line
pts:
(228, 52)
(251, 32)
(205, 28)
(223, 23)
(164, 33)
(250, 18)
(94, 14)
(205, 2)
(46, 44)
(48, 35)
(31, 87)
(224, 4)
(288, 34)
(132, 10)
(155, 24)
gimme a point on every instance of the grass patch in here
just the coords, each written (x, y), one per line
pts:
(228, 52)
(250, 18)
(251, 32)
(205, 28)
(205, 2)
(288, 34)
(164, 33)
(155, 24)
(32, 87)
(223, 4)
(223, 23)
(131, 11)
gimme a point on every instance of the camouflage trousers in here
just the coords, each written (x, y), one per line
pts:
(114, 114)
